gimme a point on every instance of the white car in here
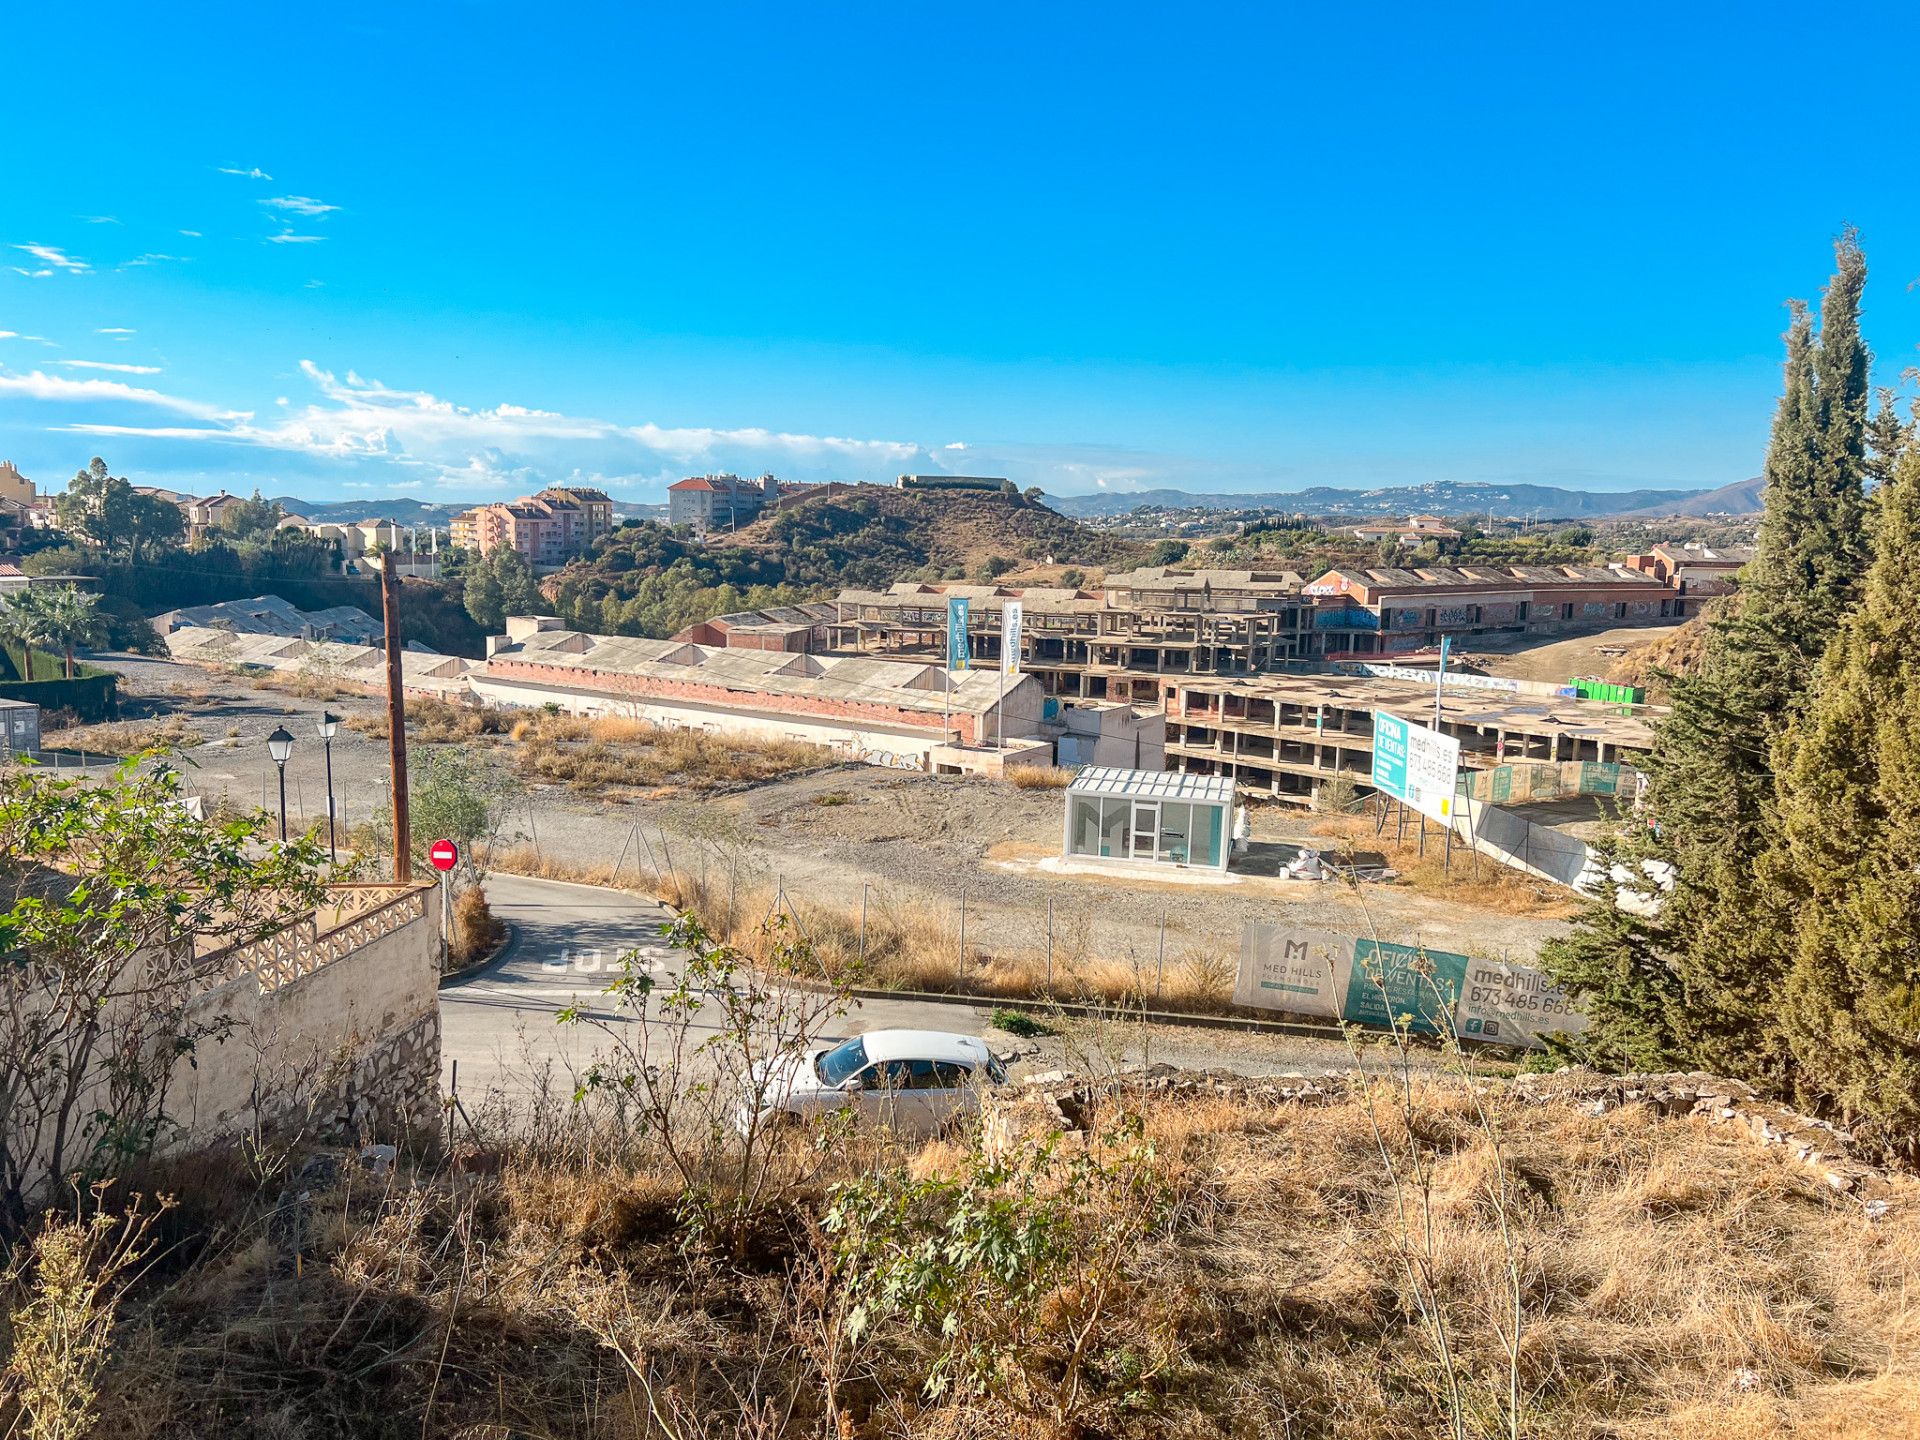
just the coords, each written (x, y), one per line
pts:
(914, 1081)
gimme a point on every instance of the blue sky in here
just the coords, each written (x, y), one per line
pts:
(457, 251)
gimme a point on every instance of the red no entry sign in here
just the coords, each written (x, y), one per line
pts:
(444, 854)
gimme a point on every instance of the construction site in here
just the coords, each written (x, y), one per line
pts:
(1259, 677)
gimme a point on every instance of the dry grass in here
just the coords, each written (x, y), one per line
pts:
(309, 685)
(1473, 880)
(435, 722)
(1040, 777)
(125, 737)
(477, 932)
(1676, 1281)
(910, 944)
(609, 751)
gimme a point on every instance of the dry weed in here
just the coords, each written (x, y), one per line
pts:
(1040, 777)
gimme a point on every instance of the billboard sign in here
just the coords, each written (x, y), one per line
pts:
(1431, 992)
(957, 608)
(1011, 614)
(1513, 1005)
(1417, 766)
(1408, 984)
(1302, 971)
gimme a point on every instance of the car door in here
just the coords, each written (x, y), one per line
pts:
(938, 1090)
(883, 1093)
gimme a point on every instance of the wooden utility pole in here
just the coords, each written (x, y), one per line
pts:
(396, 722)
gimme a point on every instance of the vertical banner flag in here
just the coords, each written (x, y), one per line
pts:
(957, 632)
(1011, 613)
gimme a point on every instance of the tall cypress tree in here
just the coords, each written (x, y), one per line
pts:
(1701, 984)
(1850, 846)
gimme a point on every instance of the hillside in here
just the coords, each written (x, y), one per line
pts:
(1562, 1260)
(645, 579)
(1546, 502)
(877, 534)
(1740, 498)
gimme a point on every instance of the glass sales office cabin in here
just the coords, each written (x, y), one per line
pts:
(1153, 817)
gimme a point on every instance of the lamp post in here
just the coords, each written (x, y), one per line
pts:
(328, 724)
(280, 747)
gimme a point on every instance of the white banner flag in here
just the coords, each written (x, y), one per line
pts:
(1010, 615)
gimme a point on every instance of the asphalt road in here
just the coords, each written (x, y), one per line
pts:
(499, 1023)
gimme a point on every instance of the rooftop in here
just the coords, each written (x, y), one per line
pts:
(271, 615)
(421, 669)
(898, 684)
(1109, 780)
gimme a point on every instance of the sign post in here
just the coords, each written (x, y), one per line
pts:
(444, 855)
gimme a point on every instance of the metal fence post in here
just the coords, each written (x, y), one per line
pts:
(1160, 971)
(863, 922)
(1049, 944)
(963, 931)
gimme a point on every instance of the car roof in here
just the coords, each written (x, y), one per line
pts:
(924, 1045)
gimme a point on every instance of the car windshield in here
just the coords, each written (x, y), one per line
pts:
(842, 1063)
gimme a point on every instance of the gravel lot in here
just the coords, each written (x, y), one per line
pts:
(909, 840)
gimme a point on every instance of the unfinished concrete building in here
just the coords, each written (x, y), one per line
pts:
(1285, 736)
(1096, 644)
(1111, 642)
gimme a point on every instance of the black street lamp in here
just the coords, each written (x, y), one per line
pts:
(328, 724)
(280, 747)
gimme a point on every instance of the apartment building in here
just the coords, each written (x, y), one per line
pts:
(1694, 569)
(719, 502)
(547, 529)
(1390, 610)
(22, 506)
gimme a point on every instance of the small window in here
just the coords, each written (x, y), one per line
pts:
(888, 1075)
(940, 1075)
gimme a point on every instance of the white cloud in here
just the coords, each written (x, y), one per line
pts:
(30, 274)
(255, 173)
(110, 365)
(191, 234)
(36, 339)
(100, 219)
(37, 385)
(139, 260)
(358, 428)
(300, 205)
(114, 330)
(56, 257)
(289, 238)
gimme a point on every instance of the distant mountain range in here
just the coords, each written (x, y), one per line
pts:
(1445, 497)
(420, 512)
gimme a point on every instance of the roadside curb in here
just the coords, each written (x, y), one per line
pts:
(1041, 1008)
(473, 966)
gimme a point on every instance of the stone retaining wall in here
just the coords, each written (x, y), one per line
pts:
(1825, 1149)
